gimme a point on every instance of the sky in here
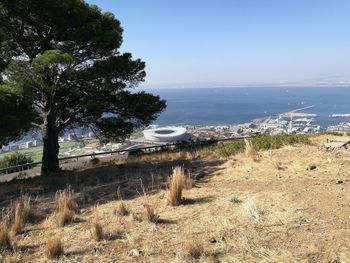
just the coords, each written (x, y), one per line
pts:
(203, 43)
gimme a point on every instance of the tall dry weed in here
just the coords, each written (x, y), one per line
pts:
(53, 248)
(249, 151)
(96, 228)
(5, 238)
(21, 214)
(65, 206)
(177, 184)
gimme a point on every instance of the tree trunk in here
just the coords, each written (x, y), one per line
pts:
(51, 148)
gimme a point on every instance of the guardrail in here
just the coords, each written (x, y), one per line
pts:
(22, 167)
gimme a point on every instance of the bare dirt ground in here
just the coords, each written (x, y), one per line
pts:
(267, 210)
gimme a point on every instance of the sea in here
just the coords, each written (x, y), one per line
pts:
(237, 105)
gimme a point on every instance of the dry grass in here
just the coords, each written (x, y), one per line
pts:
(157, 157)
(193, 248)
(96, 229)
(177, 183)
(65, 205)
(189, 182)
(22, 213)
(122, 209)
(5, 238)
(245, 211)
(249, 150)
(252, 210)
(53, 248)
(150, 214)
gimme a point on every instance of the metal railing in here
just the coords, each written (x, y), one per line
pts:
(22, 167)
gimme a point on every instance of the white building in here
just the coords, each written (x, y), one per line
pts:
(166, 134)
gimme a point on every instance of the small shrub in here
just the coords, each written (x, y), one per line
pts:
(54, 248)
(177, 183)
(14, 159)
(5, 238)
(150, 214)
(95, 161)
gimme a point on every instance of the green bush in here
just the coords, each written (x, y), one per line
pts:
(261, 143)
(14, 159)
(232, 148)
(334, 133)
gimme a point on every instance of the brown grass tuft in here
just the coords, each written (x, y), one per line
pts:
(177, 183)
(249, 151)
(22, 213)
(194, 248)
(122, 209)
(189, 182)
(5, 238)
(96, 229)
(53, 248)
(149, 214)
(65, 205)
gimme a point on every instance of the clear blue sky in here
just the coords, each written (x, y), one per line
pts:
(237, 42)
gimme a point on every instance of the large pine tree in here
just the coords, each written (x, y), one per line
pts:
(60, 67)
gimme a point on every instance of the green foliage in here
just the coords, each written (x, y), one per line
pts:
(14, 159)
(16, 113)
(63, 58)
(261, 143)
(228, 149)
(335, 133)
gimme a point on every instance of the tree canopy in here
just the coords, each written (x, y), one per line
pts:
(61, 67)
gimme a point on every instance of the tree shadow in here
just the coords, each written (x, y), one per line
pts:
(199, 200)
(115, 236)
(76, 253)
(29, 249)
(162, 221)
(104, 183)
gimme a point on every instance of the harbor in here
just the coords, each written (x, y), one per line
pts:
(295, 121)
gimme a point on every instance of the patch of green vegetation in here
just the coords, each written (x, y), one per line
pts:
(261, 143)
(228, 149)
(137, 134)
(335, 133)
(35, 153)
(13, 159)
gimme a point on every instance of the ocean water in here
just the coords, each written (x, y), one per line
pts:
(215, 106)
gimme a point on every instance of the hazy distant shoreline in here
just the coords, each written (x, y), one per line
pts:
(236, 105)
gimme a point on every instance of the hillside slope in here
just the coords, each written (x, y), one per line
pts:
(269, 208)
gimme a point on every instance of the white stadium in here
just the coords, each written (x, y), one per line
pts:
(166, 134)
